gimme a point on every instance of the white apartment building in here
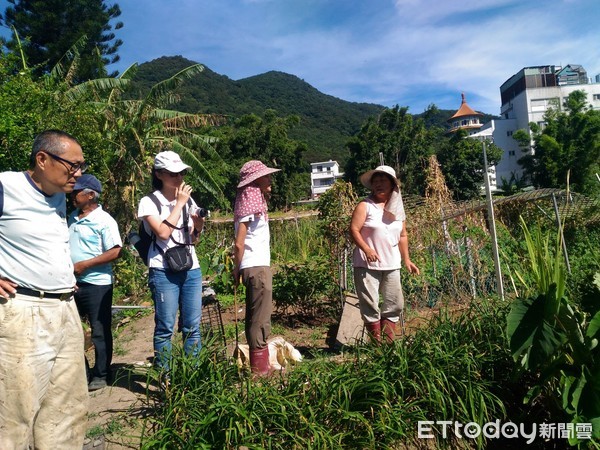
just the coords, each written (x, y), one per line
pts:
(322, 176)
(526, 96)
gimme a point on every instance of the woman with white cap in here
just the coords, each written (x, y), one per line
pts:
(174, 276)
(378, 227)
(252, 259)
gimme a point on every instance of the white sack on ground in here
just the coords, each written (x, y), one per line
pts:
(281, 354)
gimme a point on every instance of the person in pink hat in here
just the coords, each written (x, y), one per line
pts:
(252, 259)
(378, 228)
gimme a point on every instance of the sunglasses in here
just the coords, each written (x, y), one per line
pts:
(183, 173)
(72, 166)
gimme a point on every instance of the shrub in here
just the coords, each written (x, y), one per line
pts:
(131, 278)
(304, 288)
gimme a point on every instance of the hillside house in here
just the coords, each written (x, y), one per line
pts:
(322, 177)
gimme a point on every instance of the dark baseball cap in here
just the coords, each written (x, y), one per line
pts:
(87, 181)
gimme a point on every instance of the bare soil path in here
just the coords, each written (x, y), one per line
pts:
(116, 412)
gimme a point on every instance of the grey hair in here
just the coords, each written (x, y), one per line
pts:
(50, 141)
(91, 191)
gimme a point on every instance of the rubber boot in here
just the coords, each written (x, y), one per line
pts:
(259, 362)
(389, 329)
(374, 331)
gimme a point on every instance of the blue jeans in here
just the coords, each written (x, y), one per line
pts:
(173, 291)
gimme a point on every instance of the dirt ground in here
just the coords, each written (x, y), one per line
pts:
(114, 412)
(117, 412)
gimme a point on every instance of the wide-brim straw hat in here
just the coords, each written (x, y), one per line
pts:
(252, 171)
(365, 178)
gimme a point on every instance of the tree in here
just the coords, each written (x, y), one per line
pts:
(404, 143)
(266, 139)
(30, 105)
(120, 136)
(461, 160)
(138, 128)
(51, 27)
(568, 143)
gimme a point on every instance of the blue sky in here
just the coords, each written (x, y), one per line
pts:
(406, 52)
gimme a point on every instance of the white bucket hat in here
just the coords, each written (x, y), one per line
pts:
(170, 161)
(365, 178)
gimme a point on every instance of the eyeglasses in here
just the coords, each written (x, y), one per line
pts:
(183, 173)
(72, 167)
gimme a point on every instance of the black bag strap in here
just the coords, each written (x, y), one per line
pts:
(156, 201)
(185, 226)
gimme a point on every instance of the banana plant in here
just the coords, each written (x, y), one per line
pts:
(138, 128)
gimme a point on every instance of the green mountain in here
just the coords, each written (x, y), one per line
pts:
(326, 122)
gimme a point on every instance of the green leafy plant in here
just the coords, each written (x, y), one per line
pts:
(306, 288)
(131, 278)
(217, 266)
(369, 399)
(550, 337)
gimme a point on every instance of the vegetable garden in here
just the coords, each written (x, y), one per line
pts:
(531, 359)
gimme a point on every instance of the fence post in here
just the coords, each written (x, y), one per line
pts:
(492, 220)
(468, 250)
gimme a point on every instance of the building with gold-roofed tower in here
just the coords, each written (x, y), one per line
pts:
(465, 119)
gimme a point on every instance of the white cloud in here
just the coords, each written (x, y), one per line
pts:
(406, 52)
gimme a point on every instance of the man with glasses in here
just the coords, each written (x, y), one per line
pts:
(43, 386)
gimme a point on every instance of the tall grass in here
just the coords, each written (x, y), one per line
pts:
(297, 240)
(372, 398)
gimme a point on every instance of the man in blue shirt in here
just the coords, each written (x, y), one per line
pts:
(95, 243)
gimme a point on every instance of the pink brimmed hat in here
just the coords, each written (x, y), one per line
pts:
(252, 171)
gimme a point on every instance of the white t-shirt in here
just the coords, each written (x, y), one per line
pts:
(148, 208)
(257, 252)
(34, 238)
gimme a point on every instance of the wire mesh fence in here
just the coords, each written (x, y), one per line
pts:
(211, 323)
(451, 244)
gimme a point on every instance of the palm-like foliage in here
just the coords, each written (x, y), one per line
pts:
(137, 129)
(133, 130)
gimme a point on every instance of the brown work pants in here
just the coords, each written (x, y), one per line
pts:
(259, 305)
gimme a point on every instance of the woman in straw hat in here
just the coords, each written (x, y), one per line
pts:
(252, 259)
(378, 228)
